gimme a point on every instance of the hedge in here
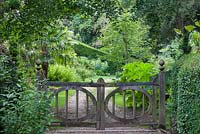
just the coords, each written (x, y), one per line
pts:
(83, 49)
(186, 95)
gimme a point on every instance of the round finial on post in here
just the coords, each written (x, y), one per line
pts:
(38, 63)
(161, 63)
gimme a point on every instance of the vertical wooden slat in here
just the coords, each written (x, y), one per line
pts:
(57, 105)
(102, 106)
(77, 100)
(98, 117)
(66, 104)
(113, 104)
(143, 101)
(154, 103)
(134, 104)
(87, 103)
(124, 103)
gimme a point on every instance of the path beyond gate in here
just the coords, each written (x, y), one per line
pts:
(111, 104)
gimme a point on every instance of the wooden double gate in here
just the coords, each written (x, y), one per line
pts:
(110, 104)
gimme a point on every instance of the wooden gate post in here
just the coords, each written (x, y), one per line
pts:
(162, 95)
(40, 79)
(38, 74)
(100, 114)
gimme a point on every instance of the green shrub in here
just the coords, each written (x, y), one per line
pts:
(185, 95)
(137, 72)
(8, 75)
(84, 72)
(90, 67)
(29, 114)
(8, 83)
(62, 73)
(23, 109)
(101, 67)
(173, 99)
(87, 63)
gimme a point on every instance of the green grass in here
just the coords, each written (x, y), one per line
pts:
(119, 100)
(62, 98)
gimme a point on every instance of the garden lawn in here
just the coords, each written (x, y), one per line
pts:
(62, 98)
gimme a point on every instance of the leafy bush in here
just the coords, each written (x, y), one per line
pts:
(171, 53)
(62, 73)
(26, 112)
(90, 67)
(186, 96)
(8, 75)
(137, 72)
(23, 109)
(84, 72)
(8, 79)
(101, 67)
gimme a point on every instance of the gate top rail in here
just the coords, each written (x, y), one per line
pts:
(91, 84)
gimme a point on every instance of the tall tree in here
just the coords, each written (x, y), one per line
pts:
(165, 15)
(125, 40)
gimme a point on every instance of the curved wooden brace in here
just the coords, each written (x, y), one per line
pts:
(91, 113)
(109, 96)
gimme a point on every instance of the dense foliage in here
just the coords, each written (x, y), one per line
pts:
(138, 72)
(62, 73)
(6, 82)
(185, 97)
(26, 112)
(78, 39)
(22, 106)
(125, 38)
(164, 15)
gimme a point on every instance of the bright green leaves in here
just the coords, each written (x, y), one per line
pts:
(138, 72)
(189, 28)
(178, 31)
(62, 73)
(197, 23)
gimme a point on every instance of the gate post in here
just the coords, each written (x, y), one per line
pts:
(100, 114)
(40, 79)
(38, 74)
(162, 95)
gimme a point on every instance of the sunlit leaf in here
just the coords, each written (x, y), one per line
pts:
(178, 31)
(189, 28)
(197, 23)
